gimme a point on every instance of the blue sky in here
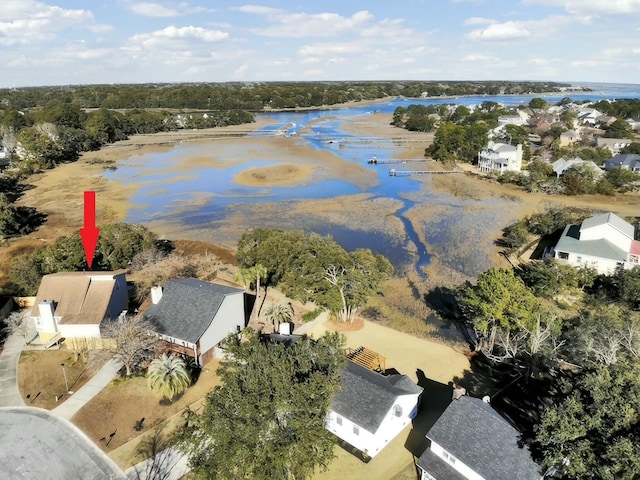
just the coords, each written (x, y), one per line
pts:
(55, 42)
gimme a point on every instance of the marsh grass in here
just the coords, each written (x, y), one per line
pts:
(400, 308)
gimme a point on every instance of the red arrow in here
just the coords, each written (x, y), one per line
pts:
(89, 233)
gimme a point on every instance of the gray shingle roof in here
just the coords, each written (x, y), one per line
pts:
(626, 160)
(367, 396)
(603, 248)
(437, 467)
(473, 432)
(187, 308)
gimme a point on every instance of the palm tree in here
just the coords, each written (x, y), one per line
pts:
(168, 376)
(279, 313)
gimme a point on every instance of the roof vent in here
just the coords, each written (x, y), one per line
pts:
(486, 399)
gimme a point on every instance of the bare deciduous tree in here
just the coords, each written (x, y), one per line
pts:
(18, 323)
(133, 340)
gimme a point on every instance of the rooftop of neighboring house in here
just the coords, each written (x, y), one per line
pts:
(628, 160)
(570, 134)
(603, 248)
(609, 218)
(500, 147)
(367, 396)
(78, 297)
(187, 307)
(563, 164)
(478, 436)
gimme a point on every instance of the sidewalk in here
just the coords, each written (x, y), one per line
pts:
(9, 392)
(78, 399)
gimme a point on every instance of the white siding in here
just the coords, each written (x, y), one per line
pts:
(607, 231)
(455, 462)
(79, 331)
(364, 440)
(228, 318)
(373, 443)
(602, 265)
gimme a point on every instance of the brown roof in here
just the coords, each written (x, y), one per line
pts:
(79, 297)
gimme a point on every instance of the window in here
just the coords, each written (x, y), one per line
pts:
(579, 259)
(338, 419)
(448, 457)
(356, 430)
(563, 255)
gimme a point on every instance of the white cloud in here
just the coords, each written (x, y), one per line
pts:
(585, 10)
(478, 21)
(329, 49)
(479, 57)
(29, 21)
(258, 9)
(173, 33)
(501, 31)
(300, 25)
(153, 10)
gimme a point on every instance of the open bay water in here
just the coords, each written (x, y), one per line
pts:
(201, 195)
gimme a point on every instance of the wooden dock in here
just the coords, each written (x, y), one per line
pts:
(406, 173)
(375, 161)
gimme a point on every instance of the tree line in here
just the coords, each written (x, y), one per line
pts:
(252, 96)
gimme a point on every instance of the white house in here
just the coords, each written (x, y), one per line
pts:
(604, 242)
(193, 317)
(563, 164)
(589, 115)
(472, 441)
(372, 409)
(499, 158)
(75, 304)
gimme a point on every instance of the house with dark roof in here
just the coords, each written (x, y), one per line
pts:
(603, 241)
(371, 409)
(625, 161)
(471, 441)
(193, 317)
(77, 304)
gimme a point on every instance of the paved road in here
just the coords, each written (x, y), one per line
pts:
(90, 389)
(36, 444)
(9, 393)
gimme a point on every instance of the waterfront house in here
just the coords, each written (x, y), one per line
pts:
(472, 441)
(76, 305)
(193, 317)
(371, 409)
(500, 158)
(604, 242)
